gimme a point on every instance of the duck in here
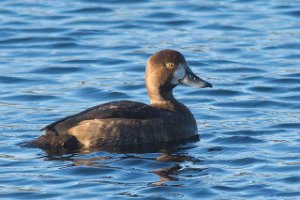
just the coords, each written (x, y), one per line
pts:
(129, 124)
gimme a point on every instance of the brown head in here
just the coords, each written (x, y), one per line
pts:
(165, 70)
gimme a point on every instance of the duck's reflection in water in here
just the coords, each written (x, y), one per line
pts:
(166, 164)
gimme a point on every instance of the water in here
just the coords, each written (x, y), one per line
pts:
(60, 57)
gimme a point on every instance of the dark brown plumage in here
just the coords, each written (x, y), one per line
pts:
(133, 125)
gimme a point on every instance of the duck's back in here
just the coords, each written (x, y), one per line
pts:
(111, 110)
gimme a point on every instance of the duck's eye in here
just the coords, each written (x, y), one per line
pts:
(170, 65)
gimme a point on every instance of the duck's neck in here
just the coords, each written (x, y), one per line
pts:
(164, 100)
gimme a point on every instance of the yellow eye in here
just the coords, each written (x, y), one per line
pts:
(170, 65)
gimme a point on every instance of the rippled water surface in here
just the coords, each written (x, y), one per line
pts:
(60, 57)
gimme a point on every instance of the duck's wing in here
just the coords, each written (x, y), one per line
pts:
(116, 109)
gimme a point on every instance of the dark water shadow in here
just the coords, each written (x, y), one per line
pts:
(164, 162)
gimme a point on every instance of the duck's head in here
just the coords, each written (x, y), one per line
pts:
(168, 68)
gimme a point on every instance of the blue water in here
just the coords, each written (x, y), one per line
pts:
(60, 57)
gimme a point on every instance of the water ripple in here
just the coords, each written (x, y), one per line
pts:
(239, 70)
(13, 80)
(254, 104)
(295, 13)
(267, 89)
(288, 126)
(59, 57)
(32, 40)
(238, 140)
(57, 70)
(94, 93)
(163, 15)
(91, 10)
(217, 92)
(285, 81)
(29, 97)
(291, 46)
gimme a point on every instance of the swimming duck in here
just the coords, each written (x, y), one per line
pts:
(133, 124)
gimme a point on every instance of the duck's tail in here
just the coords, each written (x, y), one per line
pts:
(52, 140)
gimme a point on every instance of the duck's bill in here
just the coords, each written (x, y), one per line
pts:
(193, 80)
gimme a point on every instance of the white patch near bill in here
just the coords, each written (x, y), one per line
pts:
(178, 74)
